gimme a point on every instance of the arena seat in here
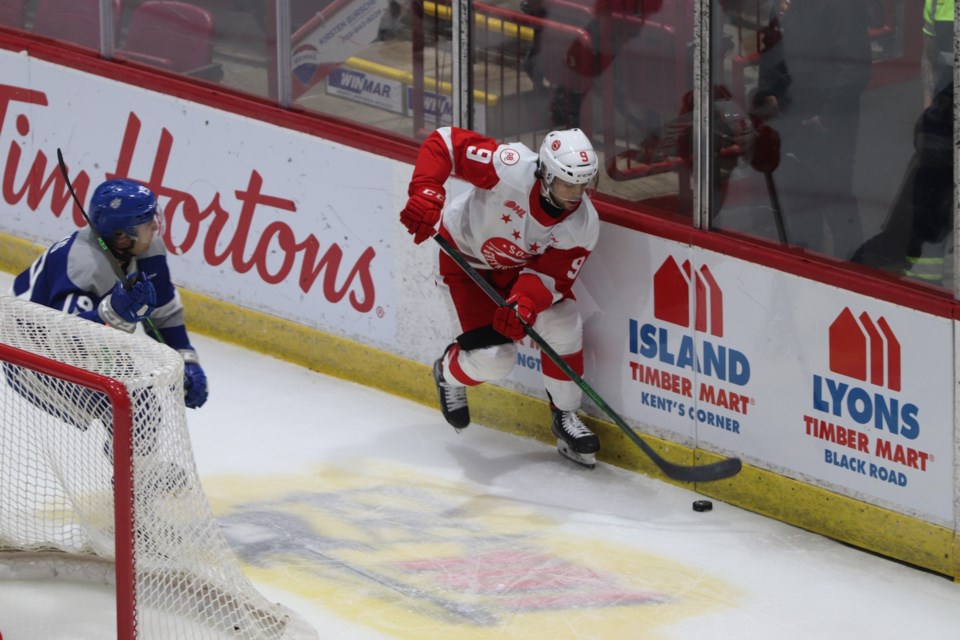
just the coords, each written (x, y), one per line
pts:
(12, 13)
(76, 21)
(176, 36)
(569, 58)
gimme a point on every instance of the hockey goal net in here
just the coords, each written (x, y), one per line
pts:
(97, 481)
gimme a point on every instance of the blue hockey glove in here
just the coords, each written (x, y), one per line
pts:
(194, 380)
(123, 308)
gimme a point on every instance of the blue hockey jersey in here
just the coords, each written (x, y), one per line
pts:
(75, 274)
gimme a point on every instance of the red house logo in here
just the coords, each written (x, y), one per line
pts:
(671, 297)
(866, 350)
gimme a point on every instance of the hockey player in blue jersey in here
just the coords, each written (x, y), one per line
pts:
(75, 275)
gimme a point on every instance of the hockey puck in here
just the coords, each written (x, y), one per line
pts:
(702, 505)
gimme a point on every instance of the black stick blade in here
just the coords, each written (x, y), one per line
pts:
(707, 473)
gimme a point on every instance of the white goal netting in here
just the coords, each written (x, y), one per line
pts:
(60, 497)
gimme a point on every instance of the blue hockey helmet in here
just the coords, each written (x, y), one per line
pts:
(120, 206)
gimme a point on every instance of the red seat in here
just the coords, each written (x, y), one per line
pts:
(645, 8)
(176, 36)
(569, 56)
(76, 21)
(647, 93)
(647, 67)
(11, 13)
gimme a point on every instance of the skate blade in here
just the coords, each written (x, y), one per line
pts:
(588, 460)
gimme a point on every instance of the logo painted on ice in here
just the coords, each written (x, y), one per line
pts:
(671, 297)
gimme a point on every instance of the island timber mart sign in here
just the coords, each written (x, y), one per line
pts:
(682, 361)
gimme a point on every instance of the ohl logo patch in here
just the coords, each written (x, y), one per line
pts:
(672, 300)
(516, 208)
(865, 350)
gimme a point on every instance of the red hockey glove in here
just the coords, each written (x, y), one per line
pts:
(422, 212)
(511, 319)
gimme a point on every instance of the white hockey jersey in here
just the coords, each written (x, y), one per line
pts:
(500, 224)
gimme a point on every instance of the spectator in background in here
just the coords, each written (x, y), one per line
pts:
(936, 64)
(565, 65)
(932, 194)
(737, 136)
(564, 101)
(912, 241)
(813, 72)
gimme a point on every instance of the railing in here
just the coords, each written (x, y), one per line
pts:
(629, 64)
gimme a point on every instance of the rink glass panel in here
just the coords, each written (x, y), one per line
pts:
(871, 182)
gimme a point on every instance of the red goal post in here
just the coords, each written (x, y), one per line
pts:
(97, 471)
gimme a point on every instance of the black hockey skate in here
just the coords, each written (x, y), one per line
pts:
(574, 439)
(453, 399)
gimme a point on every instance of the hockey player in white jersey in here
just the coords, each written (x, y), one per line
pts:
(527, 225)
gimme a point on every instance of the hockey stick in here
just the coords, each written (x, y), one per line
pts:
(683, 473)
(117, 269)
(775, 204)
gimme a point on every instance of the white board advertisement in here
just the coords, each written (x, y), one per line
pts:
(366, 88)
(818, 383)
(438, 109)
(336, 33)
(263, 216)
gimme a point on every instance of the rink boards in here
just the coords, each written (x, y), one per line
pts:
(840, 404)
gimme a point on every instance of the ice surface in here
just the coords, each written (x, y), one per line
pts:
(373, 519)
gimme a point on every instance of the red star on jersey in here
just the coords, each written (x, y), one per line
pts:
(534, 247)
(506, 218)
(516, 234)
